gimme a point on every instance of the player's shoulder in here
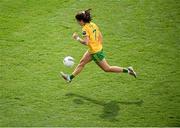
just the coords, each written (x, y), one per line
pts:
(89, 26)
(93, 24)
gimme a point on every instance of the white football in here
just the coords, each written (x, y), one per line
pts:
(68, 61)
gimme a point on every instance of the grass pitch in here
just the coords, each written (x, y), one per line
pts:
(35, 36)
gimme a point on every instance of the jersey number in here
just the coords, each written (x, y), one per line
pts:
(94, 31)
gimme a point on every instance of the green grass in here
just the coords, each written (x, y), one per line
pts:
(35, 36)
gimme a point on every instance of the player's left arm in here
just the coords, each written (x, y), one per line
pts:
(84, 41)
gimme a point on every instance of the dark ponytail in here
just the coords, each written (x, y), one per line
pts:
(85, 16)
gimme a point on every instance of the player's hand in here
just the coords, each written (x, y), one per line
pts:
(75, 35)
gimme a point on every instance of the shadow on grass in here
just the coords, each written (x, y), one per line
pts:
(110, 109)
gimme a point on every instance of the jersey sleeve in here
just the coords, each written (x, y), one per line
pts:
(85, 32)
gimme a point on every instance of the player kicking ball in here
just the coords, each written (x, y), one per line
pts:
(92, 38)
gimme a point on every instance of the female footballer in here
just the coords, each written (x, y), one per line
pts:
(93, 39)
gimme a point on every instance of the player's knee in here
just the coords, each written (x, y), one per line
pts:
(107, 69)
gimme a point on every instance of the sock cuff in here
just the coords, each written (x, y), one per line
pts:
(125, 70)
(72, 76)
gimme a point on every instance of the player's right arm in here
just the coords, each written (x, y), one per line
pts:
(84, 41)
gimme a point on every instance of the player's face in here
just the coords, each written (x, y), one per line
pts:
(81, 22)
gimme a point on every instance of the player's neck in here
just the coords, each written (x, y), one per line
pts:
(86, 23)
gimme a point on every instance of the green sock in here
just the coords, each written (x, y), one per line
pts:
(125, 70)
(71, 76)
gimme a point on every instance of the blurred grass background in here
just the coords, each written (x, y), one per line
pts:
(35, 36)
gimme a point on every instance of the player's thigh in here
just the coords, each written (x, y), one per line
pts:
(103, 64)
(86, 58)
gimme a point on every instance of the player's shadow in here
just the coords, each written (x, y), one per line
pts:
(110, 109)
